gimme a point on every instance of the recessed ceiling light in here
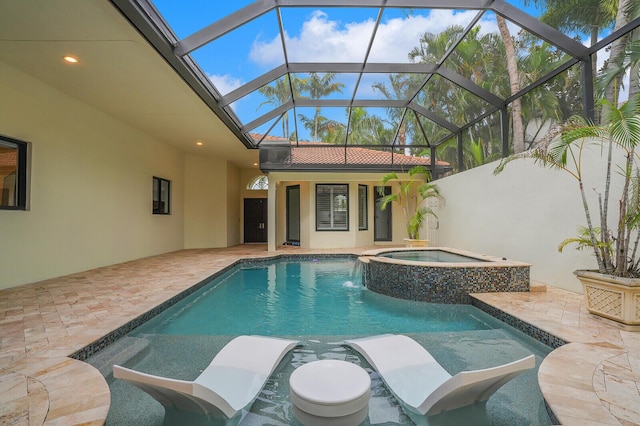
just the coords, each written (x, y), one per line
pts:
(71, 59)
(199, 143)
(255, 164)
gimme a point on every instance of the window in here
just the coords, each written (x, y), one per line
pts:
(161, 196)
(261, 182)
(332, 207)
(14, 174)
(363, 217)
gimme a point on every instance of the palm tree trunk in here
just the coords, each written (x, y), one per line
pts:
(594, 66)
(514, 80)
(316, 117)
(616, 55)
(622, 244)
(598, 254)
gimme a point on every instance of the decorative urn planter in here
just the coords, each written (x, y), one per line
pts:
(612, 297)
(411, 242)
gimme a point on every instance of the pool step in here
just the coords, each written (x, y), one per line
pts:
(535, 287)
(119, 352)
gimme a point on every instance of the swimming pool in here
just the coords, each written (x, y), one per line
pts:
(321, 303)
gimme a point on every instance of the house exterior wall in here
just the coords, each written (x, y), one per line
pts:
(233, 205)
(91, 187)
(206, 200)
(309, 236)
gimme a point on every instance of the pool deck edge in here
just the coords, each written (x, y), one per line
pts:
(592, 379)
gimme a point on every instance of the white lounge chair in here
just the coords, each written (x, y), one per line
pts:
(424, 387)
(227, 388)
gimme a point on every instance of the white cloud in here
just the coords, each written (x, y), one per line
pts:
(325, 40)
(397, 37)
(225, 83)
(267, 53)
(320, 40)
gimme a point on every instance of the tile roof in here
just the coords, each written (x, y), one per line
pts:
(320, 153)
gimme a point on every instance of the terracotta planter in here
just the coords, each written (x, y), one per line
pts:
(410, 242)
(612, 297)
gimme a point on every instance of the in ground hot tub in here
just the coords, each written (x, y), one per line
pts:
(440, 274)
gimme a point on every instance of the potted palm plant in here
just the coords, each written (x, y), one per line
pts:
(613, 290)
(410, 194)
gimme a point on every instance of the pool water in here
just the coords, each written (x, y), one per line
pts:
(430, 256)
(321, 297)
(319, 302)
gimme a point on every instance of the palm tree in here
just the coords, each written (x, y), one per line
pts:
(401, 86)
(556, 100)
(514, 84)
(367, 129)
(410, 194)
(319, 86)
(439, 96)
(280, 93)
(582, 16)
(324, 128)
(479, 58)
(623, 55)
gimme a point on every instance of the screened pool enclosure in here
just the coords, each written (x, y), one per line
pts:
(463, 82)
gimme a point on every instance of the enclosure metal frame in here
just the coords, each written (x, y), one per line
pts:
(144, 16)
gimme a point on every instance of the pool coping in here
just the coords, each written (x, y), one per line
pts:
(61, 403)
(485, 260)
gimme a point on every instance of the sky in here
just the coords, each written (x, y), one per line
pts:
(345, 35)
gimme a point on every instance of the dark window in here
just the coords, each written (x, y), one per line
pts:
(363, 216)
(332, 207)
(161, 196)
(14, 174)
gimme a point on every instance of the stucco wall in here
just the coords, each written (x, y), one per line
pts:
(521, 214)
(205, 202)
(91, 187)
(233, 205)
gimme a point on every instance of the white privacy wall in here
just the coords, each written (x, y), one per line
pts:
(521, 214)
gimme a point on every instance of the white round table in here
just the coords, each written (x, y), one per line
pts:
(330, 392)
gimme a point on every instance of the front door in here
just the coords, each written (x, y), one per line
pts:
(255, 220)
(381, 218)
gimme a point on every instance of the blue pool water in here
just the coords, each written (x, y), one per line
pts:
(322, 297)
(319, 302)
(429, 256)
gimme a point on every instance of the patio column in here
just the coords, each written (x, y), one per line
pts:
(271, 214)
